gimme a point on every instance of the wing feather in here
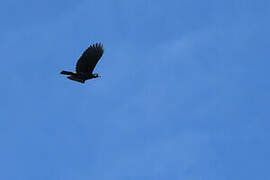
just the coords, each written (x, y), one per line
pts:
(90, 57)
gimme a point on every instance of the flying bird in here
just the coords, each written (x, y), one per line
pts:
(86, 64)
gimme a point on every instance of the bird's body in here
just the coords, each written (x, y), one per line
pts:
(86, 64)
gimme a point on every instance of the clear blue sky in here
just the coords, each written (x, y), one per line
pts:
(184, 93)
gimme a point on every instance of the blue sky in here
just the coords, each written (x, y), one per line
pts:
(184, 92)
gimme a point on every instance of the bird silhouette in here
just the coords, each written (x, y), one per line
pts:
(86, 64)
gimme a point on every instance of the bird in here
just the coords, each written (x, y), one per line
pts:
(86, 64)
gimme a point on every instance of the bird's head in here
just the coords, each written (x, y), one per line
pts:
(95, 75)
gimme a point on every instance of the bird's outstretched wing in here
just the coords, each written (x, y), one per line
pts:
(89, 58)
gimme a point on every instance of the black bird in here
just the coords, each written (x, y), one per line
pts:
(86, 64)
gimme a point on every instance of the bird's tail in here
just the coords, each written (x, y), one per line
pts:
(67, 73)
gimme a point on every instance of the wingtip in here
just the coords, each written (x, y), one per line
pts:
(97, 45)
